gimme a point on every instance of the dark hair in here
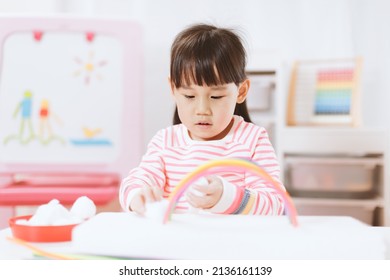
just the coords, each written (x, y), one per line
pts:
(205, 54)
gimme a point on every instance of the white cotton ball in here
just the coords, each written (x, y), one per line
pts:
(83, 208)
(202, 181)
(156, 210)
(59, 212)
(72, 220)
(54, 202)
(42, 216)
(22, 222)
(48, 214)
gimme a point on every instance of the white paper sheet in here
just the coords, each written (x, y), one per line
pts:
(205, 236)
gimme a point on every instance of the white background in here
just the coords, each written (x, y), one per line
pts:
(291, 29)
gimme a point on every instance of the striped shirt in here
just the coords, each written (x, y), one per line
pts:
(172, 154)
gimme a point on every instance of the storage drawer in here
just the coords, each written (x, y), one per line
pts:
(364, 213)
(332, 177)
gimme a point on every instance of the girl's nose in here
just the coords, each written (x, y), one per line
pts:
(203, 107)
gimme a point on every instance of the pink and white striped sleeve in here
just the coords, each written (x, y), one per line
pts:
(150, 172)
(256, 197)
(263, 199)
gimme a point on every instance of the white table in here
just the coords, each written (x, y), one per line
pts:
(206, 237)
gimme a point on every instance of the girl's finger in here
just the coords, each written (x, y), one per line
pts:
(148, 194)
(214, 183)
(198, 201)
(189, 198)
(138, 204)
(157, 193)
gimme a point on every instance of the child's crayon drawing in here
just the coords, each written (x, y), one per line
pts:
(46, 134)
(57, 118)
(26, 132)
(90, 137)
(88, 68)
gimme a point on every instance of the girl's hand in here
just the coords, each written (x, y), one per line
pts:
(143, 196)
(207, 195)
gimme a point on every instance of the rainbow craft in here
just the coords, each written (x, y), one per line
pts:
(334, 92)
(234, 164)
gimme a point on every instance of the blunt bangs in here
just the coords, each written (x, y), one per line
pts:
(211, 58)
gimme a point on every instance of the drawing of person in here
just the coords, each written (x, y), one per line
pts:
(45, 131)
(24, 107)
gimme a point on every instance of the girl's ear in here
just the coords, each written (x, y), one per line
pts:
(170, 84)
(243, 91)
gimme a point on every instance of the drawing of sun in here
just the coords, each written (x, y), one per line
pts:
(89, 67)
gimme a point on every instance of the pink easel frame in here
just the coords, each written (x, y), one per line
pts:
(131, 144)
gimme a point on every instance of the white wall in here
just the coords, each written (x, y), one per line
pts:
(371, 36)
(295, 29)
(27, 6)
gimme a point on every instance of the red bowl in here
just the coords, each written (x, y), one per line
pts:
(40, 233)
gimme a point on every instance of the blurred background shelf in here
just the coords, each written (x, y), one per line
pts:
(345, 157)
(369, 211)
(341, 156)
(333, 140)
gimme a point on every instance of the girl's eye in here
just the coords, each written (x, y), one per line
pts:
(216, 97)
(189, 96)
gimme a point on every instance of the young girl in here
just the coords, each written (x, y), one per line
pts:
(209, 86)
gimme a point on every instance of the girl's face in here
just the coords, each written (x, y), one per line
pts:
(207, 111)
